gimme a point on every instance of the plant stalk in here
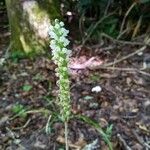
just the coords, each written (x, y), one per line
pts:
(66, 135)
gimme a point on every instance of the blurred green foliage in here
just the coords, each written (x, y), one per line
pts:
(92, 12)
(19, 110)
(27, 87)
(112, 13)
(15, 56)
(2, 2)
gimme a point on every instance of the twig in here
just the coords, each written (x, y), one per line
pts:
(121, 59)
(47, 124)
(62, 141)
(103, 48)
(126, 57)
(119, 69)
(24, 126)
(81, 24)
(95, 26)
(144, 73)
(140, 37)
(123, 142)
(140, 140)
(124, 42)
(122, 33)
(126, 14)
(106, 10)
(124, 69)
(137, 26)
(41, 110)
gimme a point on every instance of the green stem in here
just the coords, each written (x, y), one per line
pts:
(98, 128)
(66, 135)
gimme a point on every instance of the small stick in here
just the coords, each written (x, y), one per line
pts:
(95, 26)
(123, 142)
(123, 58)
(107, 7)
(140, 140)
(24, 126)
(47, 124)
(126, 14)
(103, 48)
(124, 69)
(125, 42)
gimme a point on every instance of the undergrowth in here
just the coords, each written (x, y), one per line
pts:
(118, 19)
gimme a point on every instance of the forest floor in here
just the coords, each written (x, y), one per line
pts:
(28, 106)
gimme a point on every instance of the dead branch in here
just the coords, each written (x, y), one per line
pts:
(121, 59)
(123, 142)
(126, 14)
(125, 42)
(140, 140)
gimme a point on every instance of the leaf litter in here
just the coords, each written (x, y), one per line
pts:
(122, 100)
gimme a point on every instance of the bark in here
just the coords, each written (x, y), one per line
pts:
(29, 22)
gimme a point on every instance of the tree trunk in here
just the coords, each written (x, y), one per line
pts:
(29, 22)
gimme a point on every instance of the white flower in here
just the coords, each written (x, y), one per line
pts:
(62, 39)
(61, 24)
(96, 89)
(57, 26)
(64, 32)
(64, 50)
(66, 42)
(53, 42)
(52, 46)
(57, 48)
(53, 35)
(64, 69)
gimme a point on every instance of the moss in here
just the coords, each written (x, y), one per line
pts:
(52, 8)
(23, 34)
(40, 14)
(14, 24)
(24, 44)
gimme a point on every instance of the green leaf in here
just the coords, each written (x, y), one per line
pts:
(27, 88)
(88, 97)
(96, 125)
(16, 55)
(19, 110)
(109, 131)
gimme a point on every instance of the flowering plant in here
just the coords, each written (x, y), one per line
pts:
(60, 55)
